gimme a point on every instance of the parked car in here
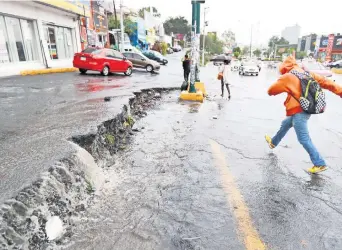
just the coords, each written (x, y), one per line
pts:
(102, 60)
(141, 61)
(249, 68)
(169, 50)
(315, 67)
(337, 64)
(156, 56)
(177, 48)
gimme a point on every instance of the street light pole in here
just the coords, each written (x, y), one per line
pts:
(205, 24)
(250, 45)
(122, 30)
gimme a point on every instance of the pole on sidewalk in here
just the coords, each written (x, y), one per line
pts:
(122, 27)
(203, 49)
(250, 45)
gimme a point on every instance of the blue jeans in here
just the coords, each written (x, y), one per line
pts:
(300, 123)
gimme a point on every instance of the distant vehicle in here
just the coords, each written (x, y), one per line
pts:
(169, 50)
(249, 68)
(272, 65)
(102, 60)
(141, 61)
(156, 56)
(315, 67)
(177, 48)
(337, 64)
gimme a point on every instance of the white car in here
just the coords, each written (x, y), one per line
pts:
(249, 69)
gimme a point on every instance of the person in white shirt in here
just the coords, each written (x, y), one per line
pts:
(224, 80)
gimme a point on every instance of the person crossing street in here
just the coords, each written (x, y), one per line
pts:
(297, 118)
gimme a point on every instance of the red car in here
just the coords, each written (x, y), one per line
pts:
(102, 60)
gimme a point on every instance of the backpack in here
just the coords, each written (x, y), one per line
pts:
(312, 99)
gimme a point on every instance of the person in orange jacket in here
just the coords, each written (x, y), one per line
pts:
(296, 117)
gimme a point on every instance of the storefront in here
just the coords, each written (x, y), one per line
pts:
(98, 22)
(35, 35)
(322, 48)
(336, 53)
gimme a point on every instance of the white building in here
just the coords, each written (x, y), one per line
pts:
(291, 33)
(36, 35)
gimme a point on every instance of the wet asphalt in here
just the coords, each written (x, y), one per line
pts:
(166, 191)
(39, 114)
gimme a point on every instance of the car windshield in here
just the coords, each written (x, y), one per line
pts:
(157, 53)
(314, 66)
(91, 50)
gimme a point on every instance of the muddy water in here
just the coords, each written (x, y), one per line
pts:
(163, 192)
(43, 215)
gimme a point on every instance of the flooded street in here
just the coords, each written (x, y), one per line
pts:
(187, 176)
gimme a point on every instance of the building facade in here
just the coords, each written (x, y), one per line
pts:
(39, 34)
(291, 34)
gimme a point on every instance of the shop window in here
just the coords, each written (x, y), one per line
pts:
(59, 42)
(4, 50)
(17, 40)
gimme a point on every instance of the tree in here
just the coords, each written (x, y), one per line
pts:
(257, 52)
(275, 40)
(236, 54)
(177, 25)
(228, 38)
(237, 49)
(154, 9)
(245, 50)
(213, 45)
(130, 26)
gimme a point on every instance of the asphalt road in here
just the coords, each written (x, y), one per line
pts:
(39, 113)
(199, 176)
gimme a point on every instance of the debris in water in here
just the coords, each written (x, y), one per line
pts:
(107, 99)
(215, 117)
(54, 228)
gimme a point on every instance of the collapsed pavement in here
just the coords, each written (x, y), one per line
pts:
(31, 219)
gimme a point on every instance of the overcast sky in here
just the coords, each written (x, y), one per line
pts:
(268, 17)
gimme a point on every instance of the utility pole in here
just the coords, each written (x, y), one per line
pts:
(205, 24)
(250, 45)
(122, 27)
(115, 16)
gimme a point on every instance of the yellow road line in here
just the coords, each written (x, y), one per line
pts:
(246, 230)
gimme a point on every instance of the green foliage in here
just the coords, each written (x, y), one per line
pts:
(155, 11)
(164, 48)
(130, 120)
(213, 45)
(237, 49)
(236, 54)
(257, 52)
(177, 25)
(110, 139)
(130, 26)
(181, 43)
(245, 50)
(275, 40)
(300, 55)
(90, 189)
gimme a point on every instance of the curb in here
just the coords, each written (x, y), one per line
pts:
(46, 71)
(336, 71)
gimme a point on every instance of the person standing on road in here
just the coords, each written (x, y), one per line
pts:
(186, 68)
(296, 117)
(224, 80)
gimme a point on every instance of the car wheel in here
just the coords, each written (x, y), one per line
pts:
(83, 71)
(257, 74)
(149, 68)
(128, 71)
(105, 71)
(166, 62)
